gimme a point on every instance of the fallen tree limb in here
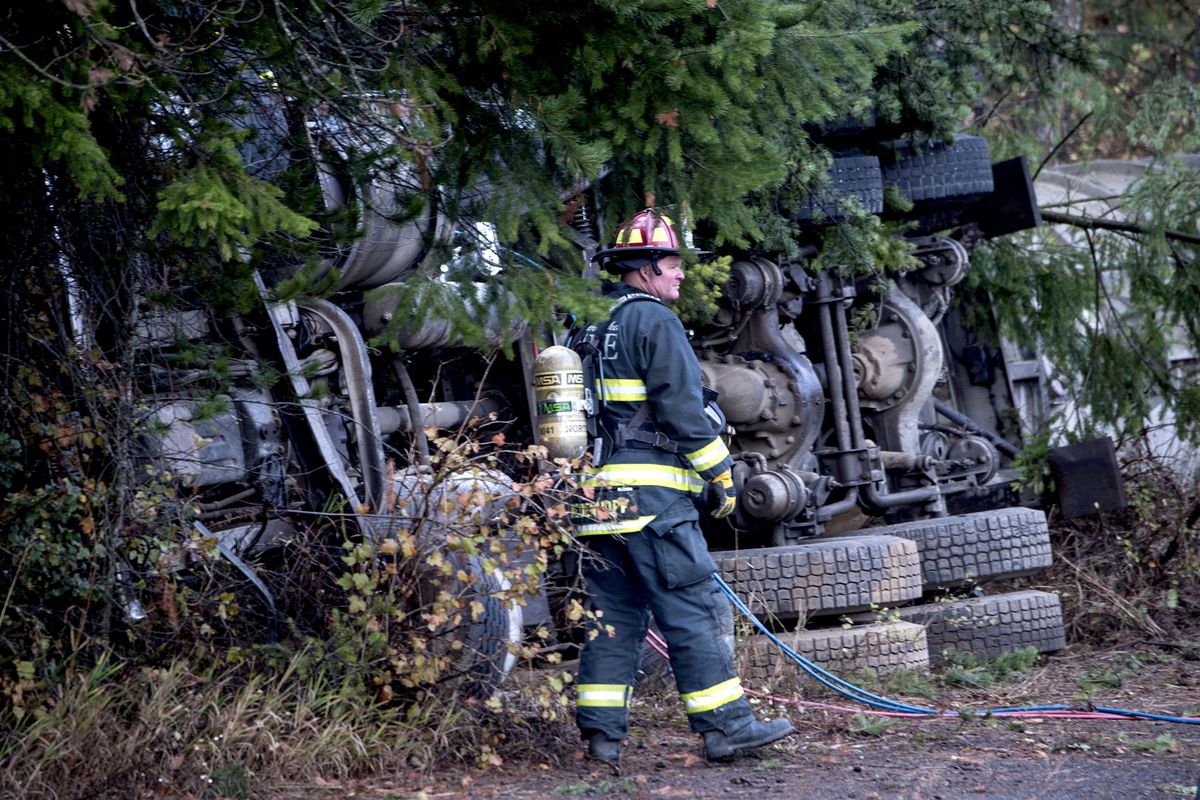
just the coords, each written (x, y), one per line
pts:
(1095, 223)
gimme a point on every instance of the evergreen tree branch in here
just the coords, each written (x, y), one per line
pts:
(1094, 223)
(10, 47)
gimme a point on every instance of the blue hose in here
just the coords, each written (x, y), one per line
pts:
(820, 674)
(848, 689)
(1147, 715)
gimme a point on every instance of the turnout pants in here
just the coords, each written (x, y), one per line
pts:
(664, 569)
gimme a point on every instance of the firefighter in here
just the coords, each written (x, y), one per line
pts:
(641, 518)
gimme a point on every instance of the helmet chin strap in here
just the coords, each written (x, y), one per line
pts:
(654, 264)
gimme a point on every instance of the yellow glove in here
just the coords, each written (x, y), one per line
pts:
(723, 497)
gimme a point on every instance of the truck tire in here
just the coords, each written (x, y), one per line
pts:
(476, 645)
(822, 577)
(486, 660)
(969, 549)
(851, 176)
(844, 129)
(938, 171)
(987, 627)
(883, 648)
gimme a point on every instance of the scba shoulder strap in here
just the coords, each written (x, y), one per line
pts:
(631, 430)
(589, 342)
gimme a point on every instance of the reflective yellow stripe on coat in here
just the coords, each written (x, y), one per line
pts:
(710, 455)
(622, 390)
(625, 526)
(683, 480)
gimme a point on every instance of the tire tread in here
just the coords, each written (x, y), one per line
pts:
(987, 627)
(822, 577)
(973, 548)
(883, 647)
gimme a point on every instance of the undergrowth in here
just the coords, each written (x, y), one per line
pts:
(961, 670)
(164, 630)
(356, 655)
(120, 730)
(980, 673)
(1132, 575)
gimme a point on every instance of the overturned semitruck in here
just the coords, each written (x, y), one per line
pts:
(871, 458)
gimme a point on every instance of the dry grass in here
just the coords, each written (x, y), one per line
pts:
(125, 732)
(1133, 574)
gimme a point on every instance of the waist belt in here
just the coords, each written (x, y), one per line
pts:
(632, 432)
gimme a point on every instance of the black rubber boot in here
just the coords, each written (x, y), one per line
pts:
(722, 747)
(602, 748)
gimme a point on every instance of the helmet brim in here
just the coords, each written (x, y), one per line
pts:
(610, 257)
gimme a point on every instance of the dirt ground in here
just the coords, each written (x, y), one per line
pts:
(843, 754)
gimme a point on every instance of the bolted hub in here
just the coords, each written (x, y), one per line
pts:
(773, 496)
(755, 283)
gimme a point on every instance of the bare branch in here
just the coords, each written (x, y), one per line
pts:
(1061, 143)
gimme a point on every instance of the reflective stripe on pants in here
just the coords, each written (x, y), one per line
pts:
(603, 695)
(712, 697)
(625, 581)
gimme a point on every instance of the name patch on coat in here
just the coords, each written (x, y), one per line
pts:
(614, 504)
